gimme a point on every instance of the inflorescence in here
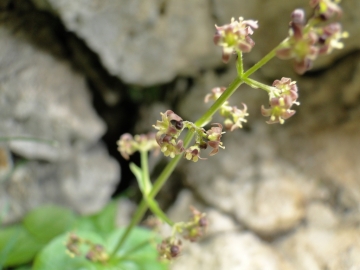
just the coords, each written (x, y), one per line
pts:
(307, 40)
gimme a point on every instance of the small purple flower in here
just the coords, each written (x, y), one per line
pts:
(301, 44)
(281, 101)
(125, 145)
(216, 92)
(193, 153)
(329, 38)
(235, 37)
(214, 137)
(325, 9)
(169, 146)
(171, 124)
(238, 118)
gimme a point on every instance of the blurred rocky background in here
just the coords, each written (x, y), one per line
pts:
(82, 72)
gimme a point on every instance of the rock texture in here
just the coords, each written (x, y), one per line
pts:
(42, 97)
(131, 36)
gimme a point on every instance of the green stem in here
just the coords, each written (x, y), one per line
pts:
(154, 207)
(140, 211)
(256, 84)
(206, 117)
(145, 172)
(239, 64)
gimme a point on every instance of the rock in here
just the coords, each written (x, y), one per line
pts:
(315, 248)
(218, 222)
(223, 246)
(248, 181)
(130, 37)
(43, 98)
(231, 251)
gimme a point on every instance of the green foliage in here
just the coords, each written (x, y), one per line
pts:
(138, 253)
(17, 246)
(20, 243)
(47, 222)
(43, 233)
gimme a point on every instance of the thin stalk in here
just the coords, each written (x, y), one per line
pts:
(257, 84)
(239, 64)
(140, 211)
(154, 207)
(206, 117)
(145, 171)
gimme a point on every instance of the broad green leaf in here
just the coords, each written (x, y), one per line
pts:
(138, 253)
(23, 268)
(47, 222)
(104, 221)
(17, 246)
(55, 257)
(139, 250)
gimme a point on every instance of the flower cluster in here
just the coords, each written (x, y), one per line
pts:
(234, 117)
(235, 37)
(325, 9)
(95, 253)
(170, 247)
(128, 145)
(196, 227)
(282, 98)
(306, 41)
(169, 130)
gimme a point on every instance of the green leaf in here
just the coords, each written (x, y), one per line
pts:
(23, 268)
(55, 257)
(17, 246)
(138, 253)
(138, 175)
(102, 222)
(47, 222)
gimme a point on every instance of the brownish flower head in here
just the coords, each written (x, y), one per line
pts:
(238, 117)
(216, 93)
(235, 37)
(197, 225)
(97, 253)
(214, 137)
(329, 38)
(169, 146)
(169, 248)
(171, 124)
(325, 9)
(128, 145)
(281, 101)
(301, 44)
(193, 153)
(73, 245)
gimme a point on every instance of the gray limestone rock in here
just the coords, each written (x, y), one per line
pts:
(142, 42)
(151, 42)
(42, 97)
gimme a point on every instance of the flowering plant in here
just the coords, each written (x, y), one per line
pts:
(306, 40)
(130, 248)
